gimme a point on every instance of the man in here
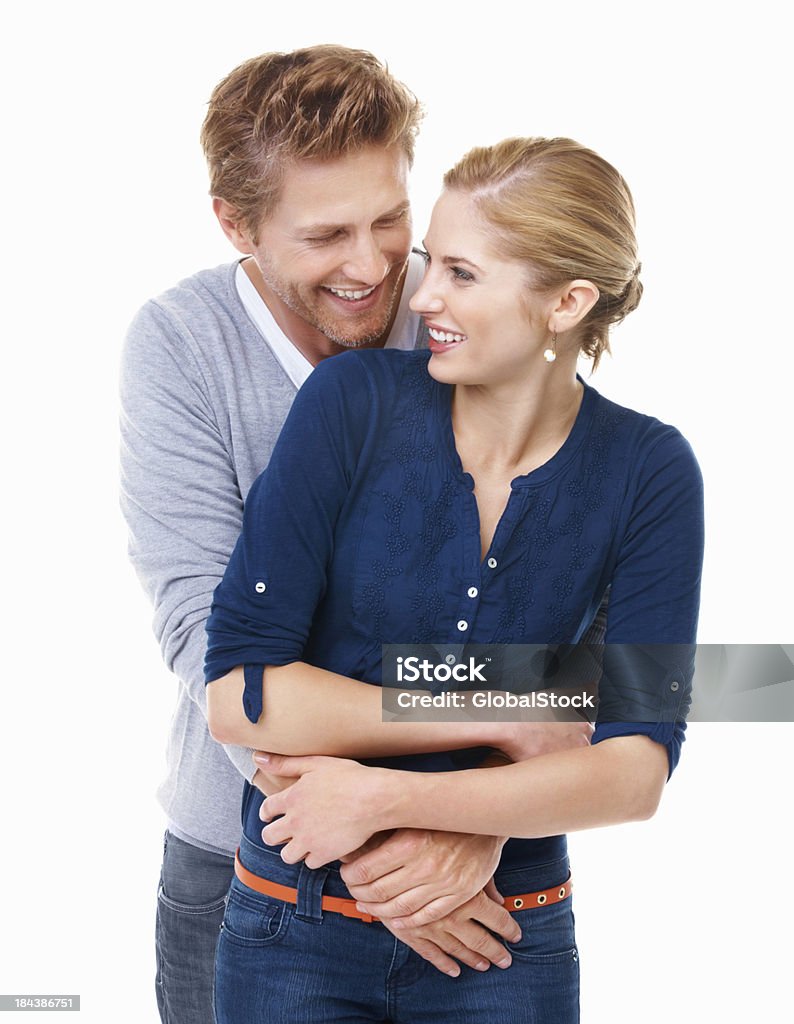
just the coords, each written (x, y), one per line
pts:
(308, 155)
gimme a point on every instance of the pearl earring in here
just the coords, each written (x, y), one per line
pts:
(550, 354)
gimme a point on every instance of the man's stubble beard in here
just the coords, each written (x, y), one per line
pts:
(330, 327)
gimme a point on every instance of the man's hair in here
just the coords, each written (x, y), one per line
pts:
(316, 103)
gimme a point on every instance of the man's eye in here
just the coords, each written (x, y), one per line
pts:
(393, 221)
(324, 239)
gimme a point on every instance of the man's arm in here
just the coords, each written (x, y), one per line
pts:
(179, 493)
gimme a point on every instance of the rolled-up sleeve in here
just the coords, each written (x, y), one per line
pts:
(649, 652)
(263, 608)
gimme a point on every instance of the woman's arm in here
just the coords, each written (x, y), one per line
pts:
(619, 780)
(307, 709)
(655, 590)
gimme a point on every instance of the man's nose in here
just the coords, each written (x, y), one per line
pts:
(365, 263)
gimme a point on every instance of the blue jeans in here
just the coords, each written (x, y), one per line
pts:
(190, 905)
(282, 963)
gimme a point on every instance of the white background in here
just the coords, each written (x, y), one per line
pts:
(682, 918)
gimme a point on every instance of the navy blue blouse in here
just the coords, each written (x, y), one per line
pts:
(363, 531)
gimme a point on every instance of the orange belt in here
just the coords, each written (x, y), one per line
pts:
(524, 901)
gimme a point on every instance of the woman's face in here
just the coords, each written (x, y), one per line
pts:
(477, 306)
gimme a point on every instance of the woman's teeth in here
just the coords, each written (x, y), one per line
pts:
(343, 293)
(445, 336)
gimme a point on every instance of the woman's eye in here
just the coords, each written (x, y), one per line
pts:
(460, 274)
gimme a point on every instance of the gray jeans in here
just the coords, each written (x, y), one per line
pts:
(190, 904)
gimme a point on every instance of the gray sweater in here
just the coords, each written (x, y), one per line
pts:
(203, 399)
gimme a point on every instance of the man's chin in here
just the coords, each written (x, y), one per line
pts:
(356, 334)
(369, 341)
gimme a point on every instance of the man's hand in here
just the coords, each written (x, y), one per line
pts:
(414, 877)
(521, 741)
(466, 935)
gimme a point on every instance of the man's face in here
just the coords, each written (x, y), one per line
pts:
(334, 249)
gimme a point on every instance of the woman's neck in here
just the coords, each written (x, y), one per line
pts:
(514, 430)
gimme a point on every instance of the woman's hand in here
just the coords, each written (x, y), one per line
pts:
(332, 808)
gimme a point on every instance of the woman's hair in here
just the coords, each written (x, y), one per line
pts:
(567, 214)
(315, 103)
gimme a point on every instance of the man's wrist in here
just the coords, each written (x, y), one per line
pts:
(495, 734)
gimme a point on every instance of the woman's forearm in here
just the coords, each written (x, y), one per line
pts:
(309, 710)
(618, 780)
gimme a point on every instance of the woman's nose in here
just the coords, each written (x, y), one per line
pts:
(426, 299)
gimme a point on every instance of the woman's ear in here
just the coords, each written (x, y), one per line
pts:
(574, 302)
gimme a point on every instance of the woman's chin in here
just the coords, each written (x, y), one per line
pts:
(446, 369)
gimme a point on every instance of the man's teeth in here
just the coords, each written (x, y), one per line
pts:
(445, 336)
(345, 294)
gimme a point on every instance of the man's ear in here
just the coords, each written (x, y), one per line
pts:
(573, 304)
(230, 221)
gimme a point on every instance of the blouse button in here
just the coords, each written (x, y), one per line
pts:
(261, 587)
(674, 685)
(492, 563)
(473, 591)
(463, 625)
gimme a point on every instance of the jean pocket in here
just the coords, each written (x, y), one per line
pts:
(547, 935)
(190, 908)
(254, 920)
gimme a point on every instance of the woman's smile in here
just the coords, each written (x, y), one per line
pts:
(443, 339)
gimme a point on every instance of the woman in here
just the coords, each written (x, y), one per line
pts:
(478, 493)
